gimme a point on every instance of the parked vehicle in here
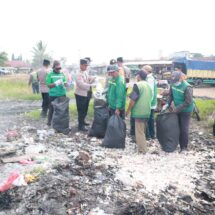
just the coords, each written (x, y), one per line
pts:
(4, 72)
(198, 71)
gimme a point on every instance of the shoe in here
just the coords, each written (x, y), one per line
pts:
(43, 114)
(83, 129)
(183, 151)
(86, 123)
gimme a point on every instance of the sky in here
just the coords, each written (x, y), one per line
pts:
(106, 29)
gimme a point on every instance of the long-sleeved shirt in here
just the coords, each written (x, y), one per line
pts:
(188, 99)
(41, 74)
(83, 83)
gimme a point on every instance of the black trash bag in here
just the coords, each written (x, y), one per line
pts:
(99, 126)
(60, 119)
(168, 131)
(115, 133)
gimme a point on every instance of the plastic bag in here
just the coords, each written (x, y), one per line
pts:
(99, 126)
(168, 131)
(115, 133)
(15, 179)
(60, 119)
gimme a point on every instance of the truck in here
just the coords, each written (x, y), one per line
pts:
(198, 71)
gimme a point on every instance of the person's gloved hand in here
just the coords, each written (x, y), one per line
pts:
(58, 82)
(165, 107)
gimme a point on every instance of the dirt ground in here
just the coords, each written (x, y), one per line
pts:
(204, 92)
(76, 176)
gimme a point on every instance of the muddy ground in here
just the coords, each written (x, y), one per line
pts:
(77, 176)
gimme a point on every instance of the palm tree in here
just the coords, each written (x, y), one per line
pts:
(39, 54)
(3, 58)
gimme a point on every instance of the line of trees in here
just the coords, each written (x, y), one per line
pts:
(39, 54)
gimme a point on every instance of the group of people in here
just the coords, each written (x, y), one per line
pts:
(143, 98)
(143, 102)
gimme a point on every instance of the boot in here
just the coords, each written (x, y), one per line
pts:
(43, 113)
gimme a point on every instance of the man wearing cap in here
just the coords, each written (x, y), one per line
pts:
(113, 62)
(150, 131)
(140, 107)
(116, 94)
(182, 95)
(44, 90)
(56, 82)
(84, 82)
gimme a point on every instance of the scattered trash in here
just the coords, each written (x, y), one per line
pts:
(74, 175)
(30, 178)
(14, 179)
(26, 162)
(12, 135)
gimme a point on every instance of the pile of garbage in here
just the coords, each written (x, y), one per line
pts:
(72, 174)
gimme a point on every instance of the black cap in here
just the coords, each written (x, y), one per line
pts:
(56, 63)
(88, 58)
(120, 59)
(46, 62)
(112, 68)
(84, 61)
(112, 61)
(142, 74)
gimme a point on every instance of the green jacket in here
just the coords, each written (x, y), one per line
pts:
(116, 95)
(178, 96)
(58, 90)
(142, 107)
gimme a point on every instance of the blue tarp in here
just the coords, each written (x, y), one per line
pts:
(196, 64)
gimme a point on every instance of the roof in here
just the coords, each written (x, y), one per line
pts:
(150, 62)
(17, 64)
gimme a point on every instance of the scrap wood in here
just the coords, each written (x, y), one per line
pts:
(17, 158)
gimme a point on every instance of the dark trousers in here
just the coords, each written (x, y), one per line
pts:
(122, 113)
(89, 96)
(132, 126)
(45, 102)
(35, 87)
(51, 108)
(184, 124)
(150, 131)
(82, 103)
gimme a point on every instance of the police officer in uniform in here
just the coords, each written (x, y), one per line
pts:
(84, 82)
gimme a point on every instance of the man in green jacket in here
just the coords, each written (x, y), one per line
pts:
(181, 94)
(116, 94)
(140, 107)
(56, 82)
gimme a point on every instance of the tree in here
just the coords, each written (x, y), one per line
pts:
(39, 54)
(20, 57)
(63, 61)
(3, 58)
(13, 57)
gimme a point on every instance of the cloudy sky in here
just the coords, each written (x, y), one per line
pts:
(105, 29)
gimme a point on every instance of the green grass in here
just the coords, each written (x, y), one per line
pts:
(16, 87)
(35, 114)
(206, 107)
